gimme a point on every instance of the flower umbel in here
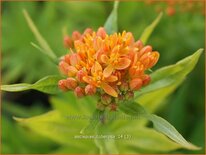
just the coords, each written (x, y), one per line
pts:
(111, 66)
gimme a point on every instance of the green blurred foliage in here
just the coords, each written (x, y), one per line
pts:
(50, 18)
(175, 37)
(16, 139)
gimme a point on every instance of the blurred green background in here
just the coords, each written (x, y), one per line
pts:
(175, 37)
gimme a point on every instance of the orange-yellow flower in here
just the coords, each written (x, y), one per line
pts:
(105, 64)
(97, 79)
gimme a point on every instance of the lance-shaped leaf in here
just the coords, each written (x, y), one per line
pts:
(149, 29)
(160, 124)
(145, 140)
(48, 84)
(45, 48)
(111, 25)
(165, 80)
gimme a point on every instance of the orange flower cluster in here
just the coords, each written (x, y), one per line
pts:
(109, 65)
(178, 6)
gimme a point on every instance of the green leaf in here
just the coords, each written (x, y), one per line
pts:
(161, 125)
(166, 128)
(16, 87)
(84, 106)
(165, 80)
(25, 141)
(149, 29)
(48, 84)
(145, 140)
(94, 121)
(37, 47)
(64, 101)
(79, 107)
(44, 45)
(130, 135)
(106, 146)
(58, 128)
(111, 22)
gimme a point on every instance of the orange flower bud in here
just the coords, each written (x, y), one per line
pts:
(139, 44)
(74, 59)
(79, 92)
(101, 32)
(76, 35)
(146, 80)
(68, 43)
(114, 64)
(90, 89)
(63, 66)
(71, 83)
(72, 71)
(170, 11)
(135, 84)
(88, 31)
(80, 75)
(67, 58)
(61, 85)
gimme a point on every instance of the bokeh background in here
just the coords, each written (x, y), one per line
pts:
(179, 34)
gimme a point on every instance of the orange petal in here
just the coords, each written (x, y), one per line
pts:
(74, 59)
(116, 49)
(128, 38)
(104, 58)
(88, 79)
(135, 84)
(109, 90)
(145, 50)
(155, 56)
(96, 68)
(112, 78)
(123, 63)
(71, 71)
(98, 55)
(124, 51)
(108, 71)
(135, 59)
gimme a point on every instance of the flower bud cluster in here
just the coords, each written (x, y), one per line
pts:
(111, 66)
